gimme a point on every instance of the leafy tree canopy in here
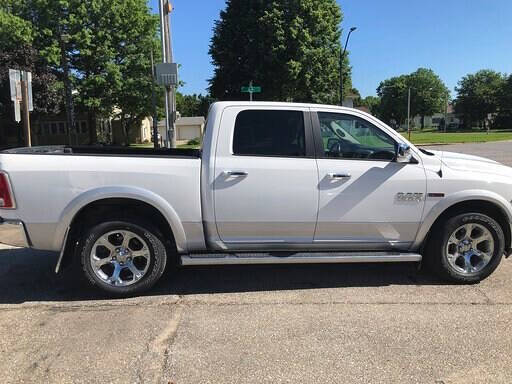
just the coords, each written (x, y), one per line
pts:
(372, 103)
(478, 95)
(102, 46)
(428, 95)
(17, 52)
(291, 48)
(193, 105)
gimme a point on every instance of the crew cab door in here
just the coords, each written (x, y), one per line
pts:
(266, 177)
(367, 200)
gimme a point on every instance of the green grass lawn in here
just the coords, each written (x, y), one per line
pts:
(435, 137)
(147, 145)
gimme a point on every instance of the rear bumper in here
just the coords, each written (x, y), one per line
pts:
(13, 232)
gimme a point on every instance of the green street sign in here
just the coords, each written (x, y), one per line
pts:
(251, 89)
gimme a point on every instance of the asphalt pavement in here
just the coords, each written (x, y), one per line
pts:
(364, 323)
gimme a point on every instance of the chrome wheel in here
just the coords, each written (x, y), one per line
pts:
(120, 258)
(470, 248)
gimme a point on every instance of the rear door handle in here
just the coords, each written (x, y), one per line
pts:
(344, 175)
(236, 173)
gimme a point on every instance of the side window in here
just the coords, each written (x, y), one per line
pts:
(350, 137)
(269, 133)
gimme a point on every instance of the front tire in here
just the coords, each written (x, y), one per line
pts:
(123, 258)
(466, 248)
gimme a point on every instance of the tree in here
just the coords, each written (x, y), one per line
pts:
(17, 52)
(478, 96)
(372, 103)
(291, 48)
(187, 105)
(393, 100)
(134, 37)
(504, 117)
(101, 49)
(428, 95)
(193, 105)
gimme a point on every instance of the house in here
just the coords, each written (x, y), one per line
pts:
(187, 128)
(437, 120)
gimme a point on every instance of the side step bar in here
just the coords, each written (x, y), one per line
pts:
(299, 258)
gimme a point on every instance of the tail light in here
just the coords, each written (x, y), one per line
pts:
(6, 195)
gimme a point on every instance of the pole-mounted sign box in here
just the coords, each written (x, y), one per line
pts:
(167, 74)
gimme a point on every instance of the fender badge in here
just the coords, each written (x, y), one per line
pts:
(413, 197)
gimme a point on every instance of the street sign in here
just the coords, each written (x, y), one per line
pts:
(251, 89)
(27, 76)
(167, 74)
(15, 83)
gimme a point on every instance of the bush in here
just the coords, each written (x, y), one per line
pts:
(195, 141)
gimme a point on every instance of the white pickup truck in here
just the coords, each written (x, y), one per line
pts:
(273, 183)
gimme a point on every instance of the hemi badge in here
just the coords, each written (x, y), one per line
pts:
(436, 195)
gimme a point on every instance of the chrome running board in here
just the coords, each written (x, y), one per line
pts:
(299, 258)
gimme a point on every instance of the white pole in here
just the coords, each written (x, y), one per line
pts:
(409, 113)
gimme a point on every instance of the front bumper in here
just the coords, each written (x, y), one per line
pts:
(13, 232)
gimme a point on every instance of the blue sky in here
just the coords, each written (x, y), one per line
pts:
(453, 37)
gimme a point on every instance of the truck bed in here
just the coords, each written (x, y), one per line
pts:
(52, 184)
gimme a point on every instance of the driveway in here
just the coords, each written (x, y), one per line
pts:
(254, 324)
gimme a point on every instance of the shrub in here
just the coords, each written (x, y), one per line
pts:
(195, 141)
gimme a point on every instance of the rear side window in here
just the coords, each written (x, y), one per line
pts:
(269, 133)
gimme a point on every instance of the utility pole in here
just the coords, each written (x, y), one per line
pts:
(26, 110)
(167, 57)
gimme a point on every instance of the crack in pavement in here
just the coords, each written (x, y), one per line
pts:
(152, 365)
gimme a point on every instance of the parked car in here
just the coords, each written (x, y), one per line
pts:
(274, 183)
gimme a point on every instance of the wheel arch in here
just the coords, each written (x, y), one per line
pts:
(121, 196)
(484, 202)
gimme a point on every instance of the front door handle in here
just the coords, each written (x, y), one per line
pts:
(236, 173)
(344, 175)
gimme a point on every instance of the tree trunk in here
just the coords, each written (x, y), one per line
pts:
(93, 136)
(124, 125)
(422, 122)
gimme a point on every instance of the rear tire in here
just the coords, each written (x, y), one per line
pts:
(466, 248)
(124, 257)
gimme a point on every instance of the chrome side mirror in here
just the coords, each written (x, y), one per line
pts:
(403, 153)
